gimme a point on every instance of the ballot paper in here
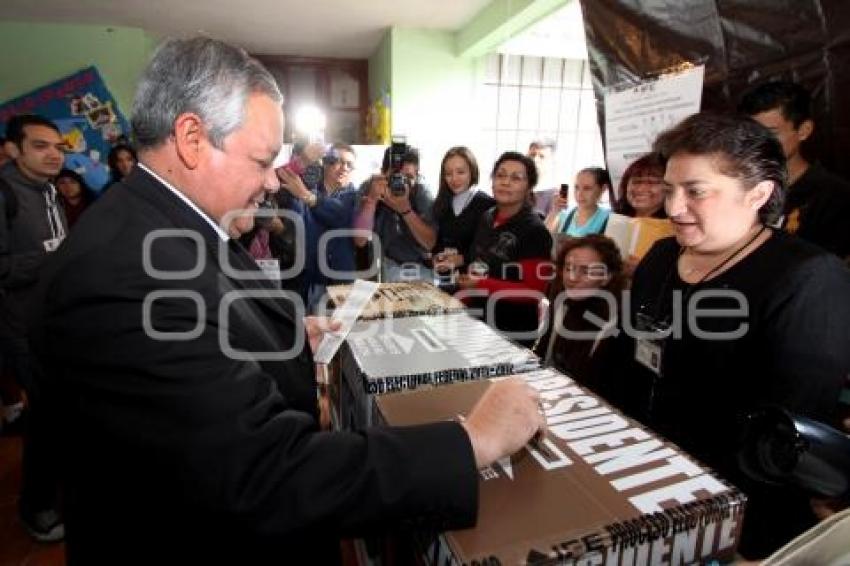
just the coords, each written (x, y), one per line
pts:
(357, 299)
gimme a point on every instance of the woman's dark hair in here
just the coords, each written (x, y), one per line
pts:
(601, 177)
(444, 193)
(746, 151)
(112, 160)
(88, 195)
(650, 165)
(527, 162)
(608, 252)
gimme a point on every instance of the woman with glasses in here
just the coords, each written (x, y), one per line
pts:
(583, 304)
(457, 209)
(730, 314)
(330, 207)
(509, 257)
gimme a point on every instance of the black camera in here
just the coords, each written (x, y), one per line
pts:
(781, 448)
(398, 150)
(565, 190)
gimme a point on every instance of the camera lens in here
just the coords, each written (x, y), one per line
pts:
(777, 452)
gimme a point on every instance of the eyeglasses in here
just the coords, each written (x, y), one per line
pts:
(333, 160)
(593, 271)
(513, 177)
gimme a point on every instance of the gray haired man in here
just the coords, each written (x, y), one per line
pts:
(188, 402)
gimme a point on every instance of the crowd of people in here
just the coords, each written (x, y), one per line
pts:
(231, 446)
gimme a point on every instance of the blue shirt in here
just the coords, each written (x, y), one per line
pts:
(594, 225)
(332, 211)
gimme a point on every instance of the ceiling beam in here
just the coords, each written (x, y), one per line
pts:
(499, 21)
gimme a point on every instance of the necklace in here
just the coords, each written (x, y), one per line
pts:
(719, 266)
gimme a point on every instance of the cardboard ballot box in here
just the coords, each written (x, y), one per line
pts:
(599, 489)
(412, 298)
(395, 354)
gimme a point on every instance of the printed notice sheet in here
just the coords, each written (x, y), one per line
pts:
(634, 117)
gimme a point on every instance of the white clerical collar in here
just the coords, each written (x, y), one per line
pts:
(221, 233)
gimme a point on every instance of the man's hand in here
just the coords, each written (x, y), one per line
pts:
(823, 508)
(445, 262)
(292, 183)
(316, 327)
(399, 203)
(377, 188)
(503, 420)
(276, 225)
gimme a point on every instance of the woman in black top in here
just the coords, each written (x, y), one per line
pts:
(458, 208)
(121, 160)
(75, 194)
(733, 315)
(510, 254)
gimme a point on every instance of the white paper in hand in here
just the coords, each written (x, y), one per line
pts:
(360, 295)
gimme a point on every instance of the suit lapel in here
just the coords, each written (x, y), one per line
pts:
(241, 271)
(239, 261)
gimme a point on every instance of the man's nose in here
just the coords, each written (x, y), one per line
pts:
(271, 183)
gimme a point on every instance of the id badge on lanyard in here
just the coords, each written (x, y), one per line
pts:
(649, 348)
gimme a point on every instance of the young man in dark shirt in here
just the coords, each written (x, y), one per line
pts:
(32, 226)
(817, 205)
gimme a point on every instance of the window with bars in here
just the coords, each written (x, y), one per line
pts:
(526, 98)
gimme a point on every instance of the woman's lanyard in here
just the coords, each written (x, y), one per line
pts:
(649, 349)
(709, 273)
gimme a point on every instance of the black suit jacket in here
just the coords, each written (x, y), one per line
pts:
(179, 453)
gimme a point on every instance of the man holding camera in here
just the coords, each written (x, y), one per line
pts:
(331, 206)
(399, 215)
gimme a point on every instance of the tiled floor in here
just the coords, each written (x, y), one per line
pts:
(16, 547)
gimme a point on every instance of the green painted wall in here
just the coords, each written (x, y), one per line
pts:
(434, 76)
(32, 55)
(432, 94)
(380, 67)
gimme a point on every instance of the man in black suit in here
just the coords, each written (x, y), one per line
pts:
(184, 390)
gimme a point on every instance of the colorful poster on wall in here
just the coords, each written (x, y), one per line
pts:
(87, 115)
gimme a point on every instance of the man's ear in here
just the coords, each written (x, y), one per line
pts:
(758, 195)
(805, 130)
(11, 149)
(189, 138)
